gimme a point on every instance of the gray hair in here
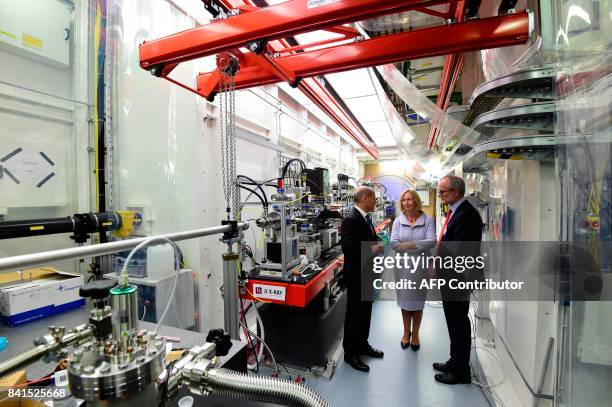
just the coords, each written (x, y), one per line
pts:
(456, 183)
(361, 193)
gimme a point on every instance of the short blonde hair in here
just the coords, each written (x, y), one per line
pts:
(415, 197)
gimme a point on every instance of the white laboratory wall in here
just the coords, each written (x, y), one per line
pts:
(156, 127)
(165, 149)
(43, 109)
(36, 33)
(524, 328)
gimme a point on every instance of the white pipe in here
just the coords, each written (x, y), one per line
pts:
(43, 258)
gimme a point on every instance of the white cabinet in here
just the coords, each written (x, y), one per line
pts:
(37, 28)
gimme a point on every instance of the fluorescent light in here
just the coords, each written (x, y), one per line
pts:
(352, 83)
(384, 141)
(366, 109)
(378, 129)
(316, 36)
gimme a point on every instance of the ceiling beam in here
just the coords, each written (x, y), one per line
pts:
(434, 41)
(265, 24)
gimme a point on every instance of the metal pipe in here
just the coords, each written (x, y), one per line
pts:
(25, 358)
(230, 293)
(207, 350)
(35, 227)
(237, 385)
(549, 349)
(535, 394)
(80, 224)
(34, 259)
(31, 355)
(124, 303)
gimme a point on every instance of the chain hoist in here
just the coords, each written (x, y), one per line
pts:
(227, 130)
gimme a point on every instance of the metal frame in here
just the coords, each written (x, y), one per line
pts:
(521, 76)
(532, 141)
(268, 23)
(230, 294)
(284, 266)
(453, 64)
(545, 109)
(261, 31)
(314, 90)
(434, 41)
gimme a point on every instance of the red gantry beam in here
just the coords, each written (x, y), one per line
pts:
(311, 87)
(268, 23)
(259, 26)
(461, 37)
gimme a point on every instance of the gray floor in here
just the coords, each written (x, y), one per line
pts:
(403, 377)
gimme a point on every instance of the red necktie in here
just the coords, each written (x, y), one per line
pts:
(448, 216)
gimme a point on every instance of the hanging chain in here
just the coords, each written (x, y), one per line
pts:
(227, 130)
(222, 128)
(232, 95)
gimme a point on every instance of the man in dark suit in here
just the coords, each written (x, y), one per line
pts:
(460, 236)
(357, 231)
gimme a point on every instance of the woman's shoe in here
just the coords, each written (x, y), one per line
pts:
(407, 344)
(415, 346)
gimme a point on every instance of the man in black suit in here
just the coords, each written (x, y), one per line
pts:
(460, 236)
(357, 229)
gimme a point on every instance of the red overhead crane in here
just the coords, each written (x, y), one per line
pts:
(255, 38)
(434, 41)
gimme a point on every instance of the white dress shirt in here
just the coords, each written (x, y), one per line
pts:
(362, 212)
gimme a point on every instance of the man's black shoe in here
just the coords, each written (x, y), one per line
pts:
(356, 363)
(442, 367)
(372, 352)
(450, 378)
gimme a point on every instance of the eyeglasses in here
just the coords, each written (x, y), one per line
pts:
(443, 191)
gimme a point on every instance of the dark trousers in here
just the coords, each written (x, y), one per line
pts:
(356, 320)
(460, 333)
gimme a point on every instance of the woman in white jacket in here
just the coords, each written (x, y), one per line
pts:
(412, 232)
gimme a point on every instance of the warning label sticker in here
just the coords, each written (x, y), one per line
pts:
(270, 292)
